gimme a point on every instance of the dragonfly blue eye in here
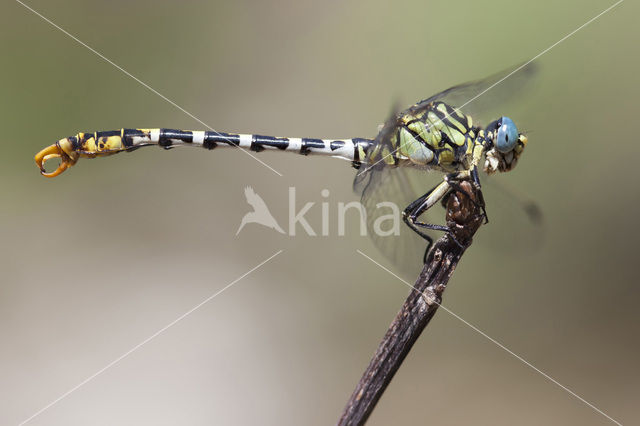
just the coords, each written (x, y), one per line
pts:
(507, 135)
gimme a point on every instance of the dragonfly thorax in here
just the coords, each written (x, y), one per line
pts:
(432, 136)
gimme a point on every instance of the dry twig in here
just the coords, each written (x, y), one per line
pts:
(463, 219)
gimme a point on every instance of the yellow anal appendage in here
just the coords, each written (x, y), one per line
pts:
(50, 152)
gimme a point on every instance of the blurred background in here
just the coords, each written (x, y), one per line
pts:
(99, 259)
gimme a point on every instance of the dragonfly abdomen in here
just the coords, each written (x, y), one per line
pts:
(110, 142)
(120, 140)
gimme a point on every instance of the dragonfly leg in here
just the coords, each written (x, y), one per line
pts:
(454, 178)
(414, 210)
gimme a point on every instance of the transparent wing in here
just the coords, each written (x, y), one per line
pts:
(516, 226)
(388, 192)
(488, 99)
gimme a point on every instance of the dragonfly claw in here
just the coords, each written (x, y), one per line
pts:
(50, 152)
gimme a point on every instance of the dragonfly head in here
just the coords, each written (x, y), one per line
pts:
(64, 149)
(505, 145)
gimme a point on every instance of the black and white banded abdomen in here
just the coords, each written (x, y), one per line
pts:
(94, 144)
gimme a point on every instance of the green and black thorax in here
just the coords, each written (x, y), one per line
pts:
(434, 136)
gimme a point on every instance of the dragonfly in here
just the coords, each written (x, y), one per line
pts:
(434, 135)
